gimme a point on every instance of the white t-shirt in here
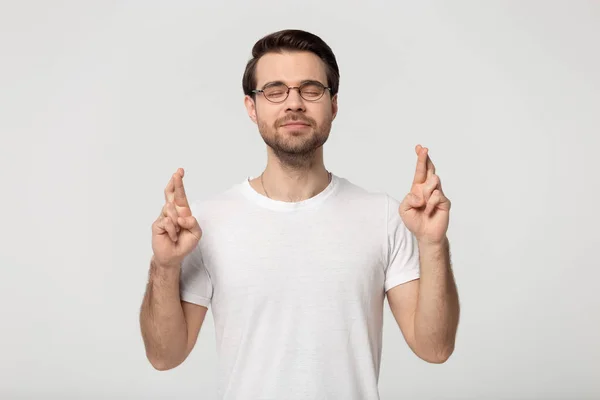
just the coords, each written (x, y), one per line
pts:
(297, 289)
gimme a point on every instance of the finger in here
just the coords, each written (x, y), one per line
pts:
(158, 227)
(169, 210)
(411, 201)
(434, 200)
(437, 201)
(416, 201)
(180, 196)
(170, 190)
(170, 228)
(191, 224)
(430, 166)
(421, 170)
(432, 183)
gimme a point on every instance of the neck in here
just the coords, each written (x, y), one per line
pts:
(292, 184)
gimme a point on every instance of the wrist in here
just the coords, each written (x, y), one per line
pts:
(161, 268)
(428, 244)
(435, 252)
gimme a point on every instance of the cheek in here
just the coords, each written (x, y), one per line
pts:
(266, 115)
(322, 115)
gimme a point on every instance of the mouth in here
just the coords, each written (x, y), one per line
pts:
(295, 124)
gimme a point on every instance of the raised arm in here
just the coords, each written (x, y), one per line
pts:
(427, 310)
(170, 326)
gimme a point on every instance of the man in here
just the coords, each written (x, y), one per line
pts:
(296, 262)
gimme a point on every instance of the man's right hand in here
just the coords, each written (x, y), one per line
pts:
(176, 231)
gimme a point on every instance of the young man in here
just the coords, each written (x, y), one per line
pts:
(296, 262)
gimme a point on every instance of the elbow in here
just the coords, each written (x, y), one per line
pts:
(162, 364)
(436, 356)
(435, 349)
(440, 357)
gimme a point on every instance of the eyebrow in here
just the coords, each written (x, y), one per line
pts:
(272, 83)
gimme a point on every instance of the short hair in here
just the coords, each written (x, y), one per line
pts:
(291, 40)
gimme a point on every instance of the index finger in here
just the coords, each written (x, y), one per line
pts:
(430, 166)
(170, 190)
(180, 196)
(421, 171)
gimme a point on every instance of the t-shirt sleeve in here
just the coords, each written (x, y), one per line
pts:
(195, 285)
(403, 263)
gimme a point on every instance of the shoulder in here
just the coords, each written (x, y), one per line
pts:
(370, 199)
(218, 205)
(379, 208)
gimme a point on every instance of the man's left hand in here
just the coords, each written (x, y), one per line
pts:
(426, 210)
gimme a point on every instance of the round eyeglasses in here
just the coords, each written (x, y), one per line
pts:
(279, 92)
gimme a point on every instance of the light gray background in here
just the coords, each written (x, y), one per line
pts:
(101, 101)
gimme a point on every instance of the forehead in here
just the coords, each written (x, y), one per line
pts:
(290, 68)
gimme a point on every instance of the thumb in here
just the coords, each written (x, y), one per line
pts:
(410, 201)
(190, 223)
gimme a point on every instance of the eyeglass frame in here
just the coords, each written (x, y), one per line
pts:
(289, 88)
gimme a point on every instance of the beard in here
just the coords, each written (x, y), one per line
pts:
(295, 148)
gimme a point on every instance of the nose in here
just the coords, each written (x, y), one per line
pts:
(295, 102)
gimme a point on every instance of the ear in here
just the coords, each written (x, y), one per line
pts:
(334, 106)
(250, 108)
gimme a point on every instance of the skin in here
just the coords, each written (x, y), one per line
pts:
(426, 309)
(295, 168)
(169, 326)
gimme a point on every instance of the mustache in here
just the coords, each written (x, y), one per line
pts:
(295, 118)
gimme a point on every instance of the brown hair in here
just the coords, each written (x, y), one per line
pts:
(291, 40)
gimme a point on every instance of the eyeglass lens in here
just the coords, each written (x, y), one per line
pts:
(308, 91)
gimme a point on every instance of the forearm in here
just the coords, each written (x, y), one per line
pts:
(437, 312)
(162, 319)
